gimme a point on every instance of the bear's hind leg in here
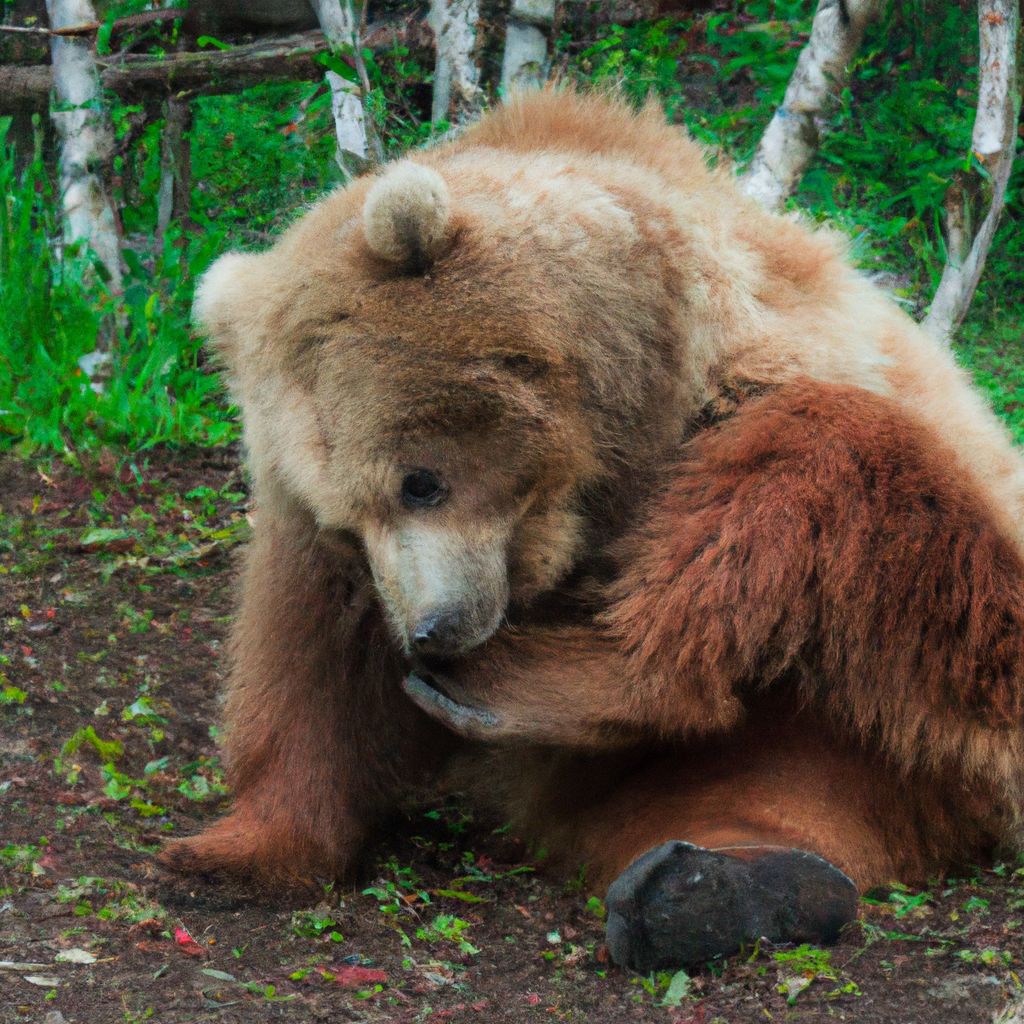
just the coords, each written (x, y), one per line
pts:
(681, 904)
(769, 832)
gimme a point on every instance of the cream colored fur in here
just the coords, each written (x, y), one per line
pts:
(406, 213)
(614, 221)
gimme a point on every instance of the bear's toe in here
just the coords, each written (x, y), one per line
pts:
(681, 904)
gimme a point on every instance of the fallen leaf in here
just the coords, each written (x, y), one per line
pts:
(102, 538)
(42, 980)
(212, 972)
(359, 977)
(75, 956)
(186, 943)
(147, 946)
(678, 989)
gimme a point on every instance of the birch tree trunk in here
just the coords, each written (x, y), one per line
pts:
(86, 144)
(791, 138)
(337, 20)
(175, 164)
(525, 63)
(456, 75)
(970, 227)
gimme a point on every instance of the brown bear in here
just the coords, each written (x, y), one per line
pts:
(631, 507)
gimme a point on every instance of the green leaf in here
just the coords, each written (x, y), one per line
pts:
(212, 972)
(341, 68)
(211, 41)
(455, 894)
(678, 989)
(102, 535)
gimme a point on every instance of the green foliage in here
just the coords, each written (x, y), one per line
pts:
(24, 857)
(11, 694)
(259, 155)
(448, 928)
(52, 309)
(899, 133)
(107, 751)
(990, 348)
(317, 923)
(802, 966)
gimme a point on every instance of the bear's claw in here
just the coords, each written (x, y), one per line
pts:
(473, 723)
(681, 904)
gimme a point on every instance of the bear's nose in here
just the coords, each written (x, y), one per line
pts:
(438, 633)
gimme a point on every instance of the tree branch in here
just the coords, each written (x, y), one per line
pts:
(135, 76)
(993, 142)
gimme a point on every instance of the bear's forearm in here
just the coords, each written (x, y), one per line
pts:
(318, 737)
(569, 686)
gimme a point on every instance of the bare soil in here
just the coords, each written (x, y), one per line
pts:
(116, 588)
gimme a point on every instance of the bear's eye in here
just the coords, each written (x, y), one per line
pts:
(423, 489)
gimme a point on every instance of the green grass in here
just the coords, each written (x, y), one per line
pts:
(52, 308)
(902, 128)
(895, 139)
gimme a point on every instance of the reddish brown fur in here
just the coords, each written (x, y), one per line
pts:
(818, 544)
(813, 631)
(785, 777)
(320, 741)
(815, 543)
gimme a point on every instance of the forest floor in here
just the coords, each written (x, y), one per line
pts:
(116, 589)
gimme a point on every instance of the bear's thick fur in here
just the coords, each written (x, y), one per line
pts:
(586, 482)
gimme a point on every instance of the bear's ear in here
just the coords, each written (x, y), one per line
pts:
(224, 304)
(406, 216)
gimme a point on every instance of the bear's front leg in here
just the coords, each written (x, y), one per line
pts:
(318, 738)
(566, 686)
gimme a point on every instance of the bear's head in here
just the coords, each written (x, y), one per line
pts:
(466, 363)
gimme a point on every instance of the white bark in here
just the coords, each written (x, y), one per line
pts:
(172, 194)
(993, 142)
(525, 64)
(86, 139)
(338, 23)
(791, 137)
(456, 76)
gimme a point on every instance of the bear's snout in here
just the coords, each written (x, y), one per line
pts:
(439, 633)
(444, 592)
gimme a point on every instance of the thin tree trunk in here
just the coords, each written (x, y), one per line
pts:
(175, 164)
(970, 226)
(86, 143)
(337, 20)
(456, 75)
(791, 138)
(525, 63)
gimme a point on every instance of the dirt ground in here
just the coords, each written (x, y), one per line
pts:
(116, 590)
